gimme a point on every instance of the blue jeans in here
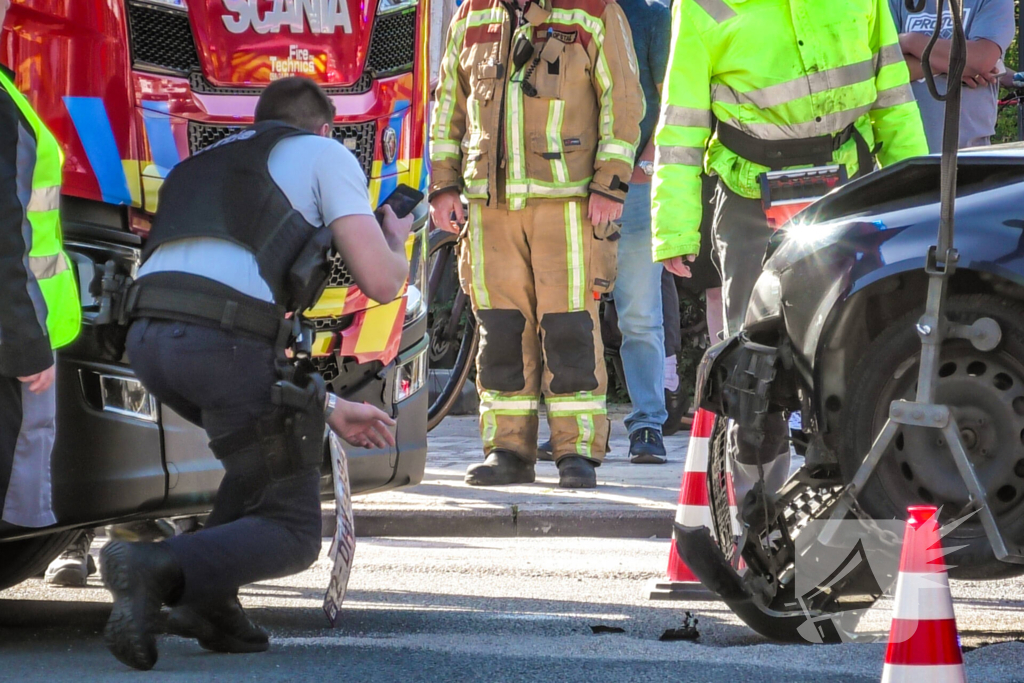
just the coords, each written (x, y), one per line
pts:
(638, 302)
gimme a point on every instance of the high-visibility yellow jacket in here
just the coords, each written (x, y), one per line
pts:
(41, 309)
(776, 70)
(577, 134)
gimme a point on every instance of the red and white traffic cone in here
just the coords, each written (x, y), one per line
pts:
(923, 641)
(693, 511)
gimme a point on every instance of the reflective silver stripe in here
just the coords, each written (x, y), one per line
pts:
(507, 405)
(891, 97)
(804, 86)
(674, 115)
(829, 124)
(44, 267)
(689, 156)
(716, 9)
(537, 190)
(576, 407)
(444, 148)
(889, 54)
(44, 199)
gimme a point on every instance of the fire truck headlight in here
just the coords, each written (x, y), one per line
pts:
(415, 296)
(389, 6)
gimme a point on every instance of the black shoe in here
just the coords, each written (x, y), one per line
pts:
(678, 404)
(646, 447)
(576, 472)
(141, 577)
(544, 451)
(500, 469)
(219, 628)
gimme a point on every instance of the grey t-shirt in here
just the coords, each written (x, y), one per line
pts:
(988, 19)
(321, 179)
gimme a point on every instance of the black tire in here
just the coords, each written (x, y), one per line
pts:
(460, 352)
(20, 560)
(781, 619)
(888, 371)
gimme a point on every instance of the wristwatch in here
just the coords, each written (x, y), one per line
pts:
(330, 405)
(647, 167)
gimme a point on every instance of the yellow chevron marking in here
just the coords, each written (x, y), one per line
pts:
(377, 326)
(331, 303)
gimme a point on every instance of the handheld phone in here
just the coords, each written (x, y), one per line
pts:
(402, 201)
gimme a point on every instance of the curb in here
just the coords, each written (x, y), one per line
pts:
(509, 521)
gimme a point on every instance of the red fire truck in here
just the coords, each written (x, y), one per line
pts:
(132, 87)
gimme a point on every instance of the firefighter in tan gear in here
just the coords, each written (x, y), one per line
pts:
(536, 124)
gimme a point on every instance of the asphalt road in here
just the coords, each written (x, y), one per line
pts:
(490, 610)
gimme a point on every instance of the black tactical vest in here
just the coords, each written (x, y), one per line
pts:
(226, 191)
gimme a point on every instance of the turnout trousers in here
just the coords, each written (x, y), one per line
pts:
(532, 275)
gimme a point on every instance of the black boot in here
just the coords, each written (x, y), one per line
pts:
(141, 577)
(500, 469)
(223, 627)
(576, 472)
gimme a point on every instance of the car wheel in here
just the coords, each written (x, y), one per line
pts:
(986, 393)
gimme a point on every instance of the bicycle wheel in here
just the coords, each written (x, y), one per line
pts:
(453, 329)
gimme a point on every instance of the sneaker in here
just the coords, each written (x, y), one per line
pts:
(75, 565)
(646, 447)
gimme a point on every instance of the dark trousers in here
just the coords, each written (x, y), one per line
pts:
(741, 233)
(259, 528)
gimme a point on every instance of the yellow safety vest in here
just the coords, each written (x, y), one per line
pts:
(47, 261)
(775, 70)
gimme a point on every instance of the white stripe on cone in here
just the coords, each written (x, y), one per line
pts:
(932, 673)
(923, 596)
(693, 510)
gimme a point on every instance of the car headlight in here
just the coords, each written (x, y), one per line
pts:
(411, 376)
(765, 300)
(389, 6)
(415, 296)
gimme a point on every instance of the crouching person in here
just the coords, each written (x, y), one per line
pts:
(238, 225)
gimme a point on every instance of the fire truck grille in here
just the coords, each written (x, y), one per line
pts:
(359, 138)
(161, 38)
(327, 366)
(339, 274)
(393, 44)
(199, 83)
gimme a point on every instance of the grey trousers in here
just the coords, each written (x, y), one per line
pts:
(741, 233)
(27, 432)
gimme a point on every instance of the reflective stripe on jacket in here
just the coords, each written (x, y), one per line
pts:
(41, 310)
(777, 70)
(577, 135)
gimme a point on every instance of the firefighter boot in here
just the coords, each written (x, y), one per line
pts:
(500, 469)
(141, 577)
(218, 628)
(576, 472)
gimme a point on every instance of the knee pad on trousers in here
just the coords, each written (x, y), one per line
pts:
(501, 349)
(569, 351)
